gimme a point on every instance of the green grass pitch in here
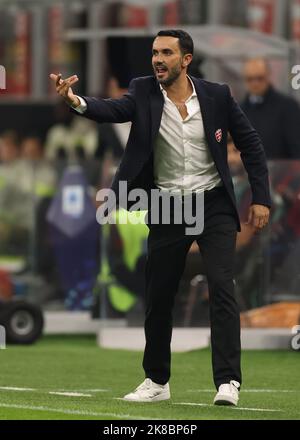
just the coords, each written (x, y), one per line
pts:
(271, 384)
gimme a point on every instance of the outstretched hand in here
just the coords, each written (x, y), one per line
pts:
(63, 88)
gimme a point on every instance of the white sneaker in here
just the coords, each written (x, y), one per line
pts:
(228, 394)
(149, 391)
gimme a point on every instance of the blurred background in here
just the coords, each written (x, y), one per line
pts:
(53, 254)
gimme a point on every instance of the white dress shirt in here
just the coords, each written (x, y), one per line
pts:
(81, 108)
(182, 160)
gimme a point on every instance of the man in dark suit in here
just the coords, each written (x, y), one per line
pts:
(178, 144)
(275, 115)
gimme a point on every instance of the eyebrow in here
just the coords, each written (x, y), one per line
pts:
(167, 49)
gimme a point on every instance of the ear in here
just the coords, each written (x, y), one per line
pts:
(187, 59)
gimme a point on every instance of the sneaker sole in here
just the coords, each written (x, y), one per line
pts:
(226, 401)
(154, 399)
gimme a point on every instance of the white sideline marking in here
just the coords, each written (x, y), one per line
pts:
(17, 389)
(76, 393)
(75, 412)
(94, 390)
(246, 391)
(231, 407)
(70, 394)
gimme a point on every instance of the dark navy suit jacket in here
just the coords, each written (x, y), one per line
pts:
(143, 105)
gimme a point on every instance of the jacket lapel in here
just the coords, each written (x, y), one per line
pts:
(156, 108)
(207, 105)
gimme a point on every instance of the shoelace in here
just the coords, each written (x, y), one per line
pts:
(231, 387)
(145, 385)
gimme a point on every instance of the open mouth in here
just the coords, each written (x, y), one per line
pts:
(160, 70)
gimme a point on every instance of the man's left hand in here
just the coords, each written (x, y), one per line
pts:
(258, 216)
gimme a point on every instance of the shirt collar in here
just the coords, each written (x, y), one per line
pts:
(193, 94)
(255, 99)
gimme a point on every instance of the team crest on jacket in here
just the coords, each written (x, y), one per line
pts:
(218, 135)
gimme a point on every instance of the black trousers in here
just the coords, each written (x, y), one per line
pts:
(168, 246)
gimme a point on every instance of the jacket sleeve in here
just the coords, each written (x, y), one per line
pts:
(110, 110)
(248, 142)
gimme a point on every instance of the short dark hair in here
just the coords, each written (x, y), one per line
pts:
(185, 42)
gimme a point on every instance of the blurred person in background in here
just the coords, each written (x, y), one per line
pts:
(9, 147)
(38, 174)
(38, 178)
(25, 179)
(274, 115)
(247, 268)
(239, 178)
(70, 138)
(14, 222)
(57, 142)
(73, 140)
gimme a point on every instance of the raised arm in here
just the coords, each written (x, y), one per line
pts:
(98, 109)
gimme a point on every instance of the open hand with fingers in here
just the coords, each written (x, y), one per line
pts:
(63, 88)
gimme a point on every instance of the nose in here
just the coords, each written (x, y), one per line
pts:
(157, 59)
